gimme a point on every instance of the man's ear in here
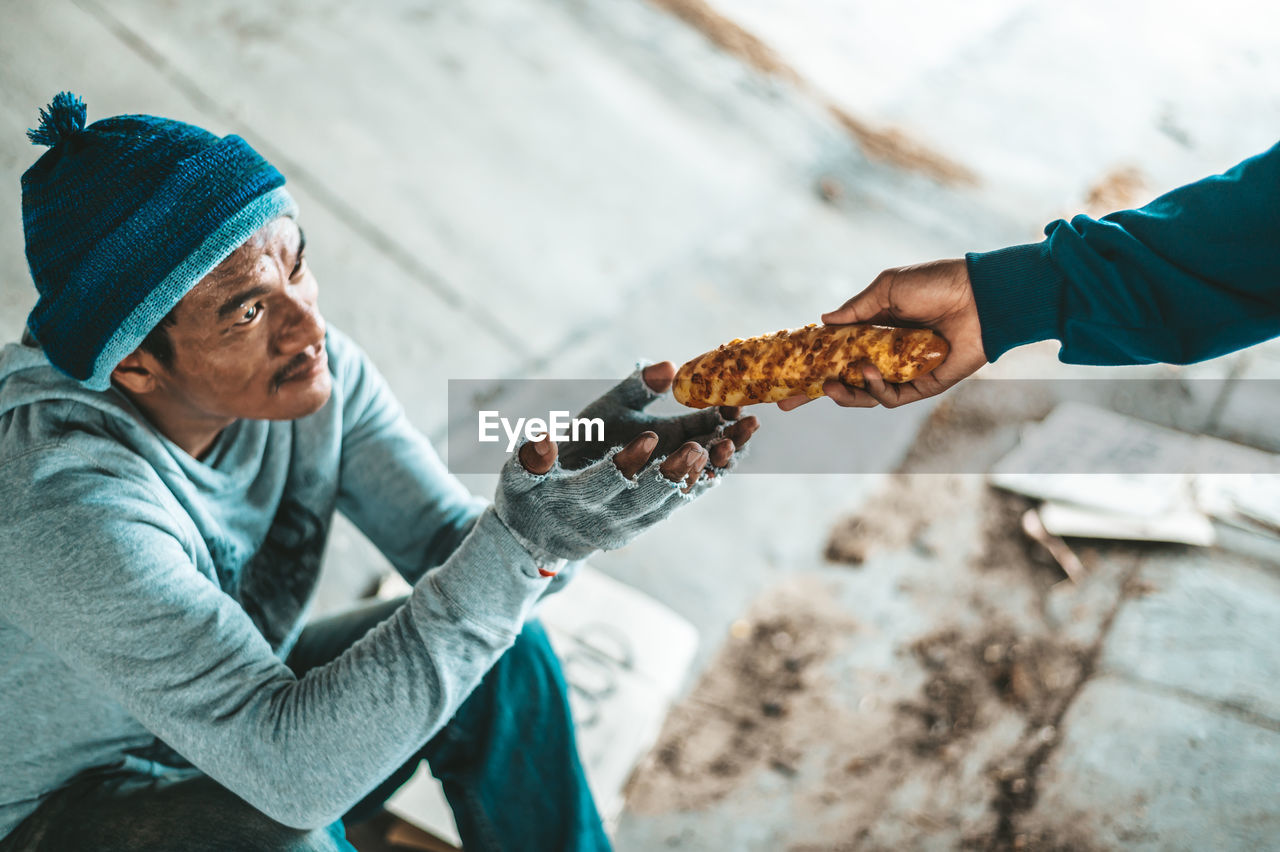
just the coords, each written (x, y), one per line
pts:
(137, 373)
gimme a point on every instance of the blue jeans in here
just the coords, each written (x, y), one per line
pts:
(508, 762)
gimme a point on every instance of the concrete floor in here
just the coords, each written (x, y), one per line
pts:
(555, 188)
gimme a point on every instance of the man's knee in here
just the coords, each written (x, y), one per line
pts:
(525, 682)
(531, 666)
(257, 833)
(318, 840)
(141, 815)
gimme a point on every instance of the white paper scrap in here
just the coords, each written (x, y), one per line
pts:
(1106, 475)
(1185, 526)
(1248, 500)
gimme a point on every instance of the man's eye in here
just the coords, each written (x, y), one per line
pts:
(250, 314)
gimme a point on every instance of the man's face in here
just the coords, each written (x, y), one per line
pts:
(248, 339)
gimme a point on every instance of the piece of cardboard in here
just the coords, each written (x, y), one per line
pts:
(1106, 475)
(625, 657)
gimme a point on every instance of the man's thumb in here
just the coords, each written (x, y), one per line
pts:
(863, 307)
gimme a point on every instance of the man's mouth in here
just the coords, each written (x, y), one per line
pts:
(309, 368)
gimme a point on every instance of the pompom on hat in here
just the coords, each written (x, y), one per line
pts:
(122, 218)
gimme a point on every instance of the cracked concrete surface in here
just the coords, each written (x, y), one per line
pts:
(551, 189)
(937, 683)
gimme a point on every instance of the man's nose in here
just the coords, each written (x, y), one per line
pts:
(303, 326)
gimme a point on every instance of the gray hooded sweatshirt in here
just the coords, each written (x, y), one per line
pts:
(148, 599)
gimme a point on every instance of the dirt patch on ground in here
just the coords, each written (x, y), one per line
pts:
(1028, 673)
(897, 517)
(729, 36)
(887, 145)
(1040, 841)
(761, 703)
(900, 515)
(768, 704)
(1118, 189)
(890, 521)
(891, 145)
(950, 689)
(1004, 545)
(975, 425)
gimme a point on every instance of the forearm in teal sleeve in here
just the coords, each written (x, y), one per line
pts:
(1192, 275)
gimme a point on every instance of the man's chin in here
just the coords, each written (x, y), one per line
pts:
(294, 404)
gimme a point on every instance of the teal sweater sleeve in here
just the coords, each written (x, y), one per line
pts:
(392, 484)
(99, 573)
(1192, 275)
(116, 628)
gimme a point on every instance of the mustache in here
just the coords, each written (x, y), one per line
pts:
(295, 364)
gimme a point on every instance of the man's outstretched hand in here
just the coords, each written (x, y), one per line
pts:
(603, 499)
(719, 431)
(934, 295)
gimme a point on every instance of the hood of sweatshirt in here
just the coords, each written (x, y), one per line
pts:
(42, 407)
(27, 377)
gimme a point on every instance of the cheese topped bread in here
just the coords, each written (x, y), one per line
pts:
(774, 367)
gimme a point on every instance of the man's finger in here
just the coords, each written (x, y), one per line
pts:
(639, 389)
(692, 425)
(731, 412)
(849, 315)
(871, 305)
(847, 397)
(742, 431)
(720, 451)
(739, 431)
(538, 457)
(791, 403)
(659, 376)
(875, 386)
(696, 466)
(682, 461)
(891, 395)
(674, 466)
(635, 455)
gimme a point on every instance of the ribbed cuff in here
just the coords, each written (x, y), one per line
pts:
(490, 577)
(1018, 292)
(548, 564)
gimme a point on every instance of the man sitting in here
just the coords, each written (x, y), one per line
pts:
(176, 431)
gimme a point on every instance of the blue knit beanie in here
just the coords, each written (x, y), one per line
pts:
(122, 218)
